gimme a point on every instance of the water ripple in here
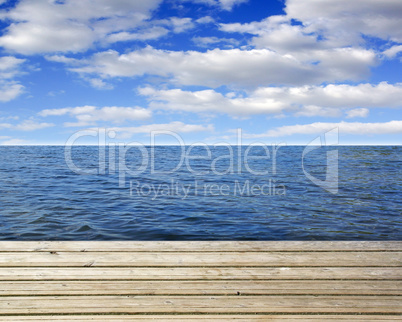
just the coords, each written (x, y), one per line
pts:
(42, 199)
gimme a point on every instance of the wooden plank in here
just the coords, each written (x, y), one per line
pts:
(200, 273)
(200, 288)
(208, 317)
(200, 304)
(132, 259)
(198, 246)
(238, 282)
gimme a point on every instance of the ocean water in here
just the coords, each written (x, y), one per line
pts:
(202, 193)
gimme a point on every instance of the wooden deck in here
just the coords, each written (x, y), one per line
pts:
(200, 281)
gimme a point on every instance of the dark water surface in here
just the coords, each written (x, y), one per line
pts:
(41, 198)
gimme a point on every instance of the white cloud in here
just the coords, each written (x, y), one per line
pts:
(72, 26)
(99, 83)
(27, 125)
(339, 96)
(333, 61)
(326, 101)
(287, 38)
(356, 128)
(63, 59)
(10, 67)
(277, 33)
(343, 21)
(176, 127)
(181, 24)
(154, 32)
(223, 4)
(14, 142)
(257, 67)
(151, 30)
(208, 41)
(5, 126)
(325, 49)
(211, 101)
(9, 118)
(56, 93)
(31, 125)
(358, 112)
(393, 51)
(29, 38)
(229, 4)
(89, 115)
(325, 26)
(314, 110)
(206, 19)
(9, 90)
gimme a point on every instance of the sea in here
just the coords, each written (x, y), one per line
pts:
(200, 193)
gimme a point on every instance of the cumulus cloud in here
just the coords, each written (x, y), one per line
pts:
(214, 68)
(302, 101)
(211, 101)
(309, 51)
(72, 25)
(223, 4)
(99, 83)
(10, 67)
(229, 4)
(181, 24)
(10, 90)
(154, 32)
(27, 125)
(343, 22)
(324, 25)
(31, 125)
(63, 59)
(356, 128)
(358, 112)
(313, 28)
(287, 38)
(281, 71)
(314, 110)
(393, 51)
(206, 19)
(277, 33)
(89, 115)
(339, 96)
(208, 41)
(280, 35)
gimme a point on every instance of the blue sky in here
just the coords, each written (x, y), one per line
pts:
(281, 71)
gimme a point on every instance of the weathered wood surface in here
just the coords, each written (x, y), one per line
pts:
(200, 281)
(209, 317)
(199, 246)
(200, 273)
(180, 259)
(205, 287)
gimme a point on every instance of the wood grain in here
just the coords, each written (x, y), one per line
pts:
(200, 281)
